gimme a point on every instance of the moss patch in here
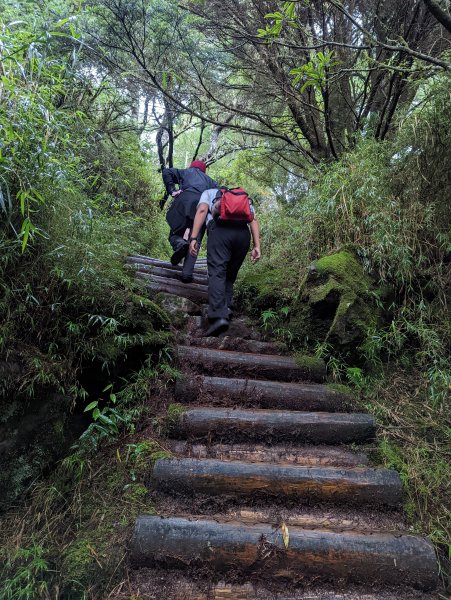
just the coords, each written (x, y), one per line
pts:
(335, 303)
(345, 390)
(264, 286)
(309, 362)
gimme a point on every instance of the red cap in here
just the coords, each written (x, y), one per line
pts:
(199, 164)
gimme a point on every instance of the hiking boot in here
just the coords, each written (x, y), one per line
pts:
(180, 253)
(217, 327)
(187, 278)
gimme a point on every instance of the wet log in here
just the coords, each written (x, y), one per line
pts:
(203, 287)
(268, 366)
(169, 286)
(262, 424)
(158, 583)
(297, 455)
(335, 518)
(267, 394)
(201, 264)
(230, 342)
(198, 278)
(260, 550)
(355, 486)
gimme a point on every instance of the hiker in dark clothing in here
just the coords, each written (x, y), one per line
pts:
(227, 246)
(192, 182)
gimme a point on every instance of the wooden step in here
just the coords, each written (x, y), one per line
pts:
(148, 584)
(192, 291)
(212, 477)
(267, 394)
(230, 342)
(261, 424)
(308, 517)
(297, 455)
(364, 519)
(201, 279)
(258, 366)
(260, 549)
(201, 263)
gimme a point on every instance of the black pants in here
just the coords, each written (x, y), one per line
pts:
(227, 247)
(180, 219)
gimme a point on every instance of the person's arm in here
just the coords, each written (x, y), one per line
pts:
(255, 231)
(171, 177)
(199, 220)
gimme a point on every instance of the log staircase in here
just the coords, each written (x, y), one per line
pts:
(269, 493)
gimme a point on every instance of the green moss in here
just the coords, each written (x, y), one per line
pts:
(309, 362)
(345, 267)
(335, 304)
(143, 305)
(345, 276)
(136, 493)
(264, 286)
(175, 411)
(79, 563)
(340, 389)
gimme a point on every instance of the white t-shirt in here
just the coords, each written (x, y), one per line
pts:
(208, 197)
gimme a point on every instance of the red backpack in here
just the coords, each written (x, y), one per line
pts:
(232, 205)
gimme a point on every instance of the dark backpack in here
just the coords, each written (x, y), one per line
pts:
(232, 205)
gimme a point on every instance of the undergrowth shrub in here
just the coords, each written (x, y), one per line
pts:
(76, 197)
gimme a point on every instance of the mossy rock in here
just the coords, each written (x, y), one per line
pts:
(336, 302)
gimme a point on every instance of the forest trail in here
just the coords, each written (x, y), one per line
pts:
(269, 493)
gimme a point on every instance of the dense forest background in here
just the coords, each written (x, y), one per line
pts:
(334, 115)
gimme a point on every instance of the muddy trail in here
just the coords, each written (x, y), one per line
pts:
(270, 493)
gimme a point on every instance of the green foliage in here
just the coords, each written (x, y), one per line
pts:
(78, 194)
(313, 73)
(27, 573)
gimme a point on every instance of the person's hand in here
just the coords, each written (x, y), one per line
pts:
(176, 193)
(193, 248)
(255, 255)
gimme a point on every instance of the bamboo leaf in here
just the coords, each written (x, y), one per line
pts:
(91, 405)
(62, 22)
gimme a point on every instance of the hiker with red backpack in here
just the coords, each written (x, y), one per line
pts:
(230, 219)
(191, 183)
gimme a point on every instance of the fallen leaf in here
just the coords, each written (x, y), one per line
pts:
(285, 535)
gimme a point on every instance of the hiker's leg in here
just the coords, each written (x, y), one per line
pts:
(176, 238)
(218, 256)
(240, 248)
(190, 261)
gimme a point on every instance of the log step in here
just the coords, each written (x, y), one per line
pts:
(326, 484)
(261, 424)
(149, 584)
(201, 263)
(313, 456)
(192, 291)
(266, 394)
(170, 281)
(368, 519)
(260, 549)
(229, 342)
(337, 519)
(257, 366)
(201, 279)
